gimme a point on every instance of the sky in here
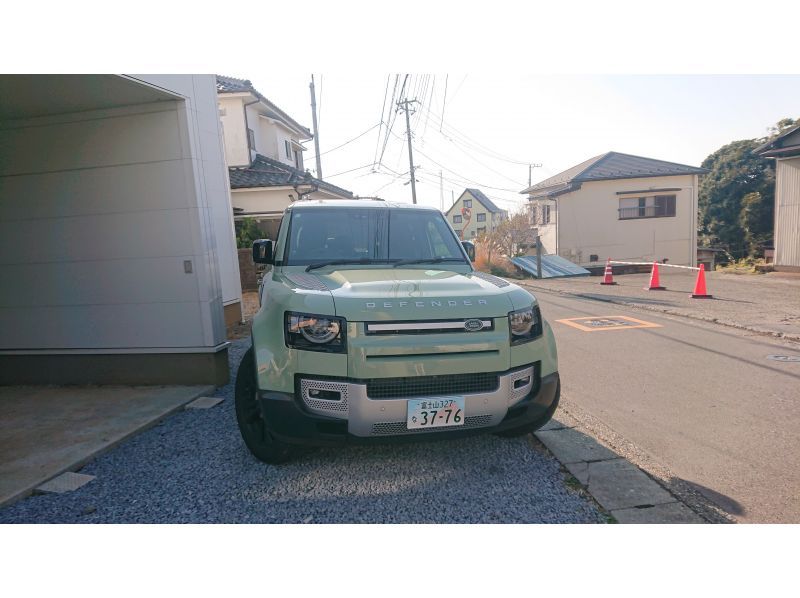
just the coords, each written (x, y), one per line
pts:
(484, 129)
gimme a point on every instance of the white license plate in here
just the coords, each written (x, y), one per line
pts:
(437, 412)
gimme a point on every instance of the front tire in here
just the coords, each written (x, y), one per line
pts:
(534, 425)
(252, 427)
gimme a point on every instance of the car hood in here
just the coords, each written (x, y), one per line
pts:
(416, 294)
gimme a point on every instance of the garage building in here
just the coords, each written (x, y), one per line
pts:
(117, 253)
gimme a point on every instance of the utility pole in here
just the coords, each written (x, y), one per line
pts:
(404, 106)
(316, 131)
(530, 168)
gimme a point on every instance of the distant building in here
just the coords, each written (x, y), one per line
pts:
(621, 207)
(264, 150)
(473, 214)
(785, 148)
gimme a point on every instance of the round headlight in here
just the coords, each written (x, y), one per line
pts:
(319, 330)
(521, 322)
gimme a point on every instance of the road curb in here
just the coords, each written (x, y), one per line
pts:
(655, 309)
(619, 486)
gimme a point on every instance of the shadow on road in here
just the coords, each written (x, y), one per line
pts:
(726, 503)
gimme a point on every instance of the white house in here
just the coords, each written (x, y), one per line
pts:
(117, 251)
(785, 148)
(473, 214)
(264, 151)
(621, 207)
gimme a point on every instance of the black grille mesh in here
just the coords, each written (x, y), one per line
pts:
(426, 386)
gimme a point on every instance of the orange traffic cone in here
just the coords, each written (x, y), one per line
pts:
(608, 276)
(700, 285)
(655, 284)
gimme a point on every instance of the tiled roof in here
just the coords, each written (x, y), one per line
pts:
(614, 165)
(487, 203)
(234, 85)
(785, 144)
(266, 172)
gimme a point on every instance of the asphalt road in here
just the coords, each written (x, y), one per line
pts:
(701, 400)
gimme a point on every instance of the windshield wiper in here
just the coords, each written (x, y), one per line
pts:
(427, 260)
(340, 263)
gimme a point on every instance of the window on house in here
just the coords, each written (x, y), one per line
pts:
(467, 203)
(251, 139)
(481, 230)
(472, 234)
(298, 160)
(481, 217)
(287, 145)
(457, 219)
(652, 206)
(544, 214)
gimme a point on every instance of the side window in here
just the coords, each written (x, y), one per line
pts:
(457, 219)
(436, 241)
(481, 217)
(288, 146)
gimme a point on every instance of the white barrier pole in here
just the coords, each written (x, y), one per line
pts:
(660, 265)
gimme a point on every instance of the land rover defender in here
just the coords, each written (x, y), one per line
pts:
(375, 327)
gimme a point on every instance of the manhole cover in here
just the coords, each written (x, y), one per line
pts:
(784, 357)
(605, 322)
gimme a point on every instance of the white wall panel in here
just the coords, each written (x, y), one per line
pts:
(142, 325)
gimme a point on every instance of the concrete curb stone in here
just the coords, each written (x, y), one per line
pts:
(618, 485)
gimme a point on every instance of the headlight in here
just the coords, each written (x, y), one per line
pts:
(525, 324)
(315, 333)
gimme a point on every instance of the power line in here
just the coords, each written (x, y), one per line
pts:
(380, 124)
(330, 176)
(444, 101)
(473, 144)
(469, 181)
(348, 142)
(392, 118)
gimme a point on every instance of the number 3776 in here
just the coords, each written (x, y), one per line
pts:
(446, 415)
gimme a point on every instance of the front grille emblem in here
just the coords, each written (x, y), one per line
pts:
(473, 325)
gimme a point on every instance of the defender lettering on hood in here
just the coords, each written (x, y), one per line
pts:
(424, 304)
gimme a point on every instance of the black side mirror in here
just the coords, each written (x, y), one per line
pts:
(262, 251)
(469, 247)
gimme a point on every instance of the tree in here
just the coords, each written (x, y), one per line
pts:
(736, 198)
(247, 231)
(513, 235)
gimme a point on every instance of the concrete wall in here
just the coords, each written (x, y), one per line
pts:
(588, 223)
(102, 212)
(787, 213)
(207, 147)
(471, 230)
(234, 133)
(547, 232)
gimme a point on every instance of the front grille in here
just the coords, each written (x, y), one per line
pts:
(395, 428)
(426, 386)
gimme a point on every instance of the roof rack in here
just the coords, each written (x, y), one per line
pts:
(307, 198)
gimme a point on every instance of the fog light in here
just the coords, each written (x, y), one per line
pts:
(324, 395)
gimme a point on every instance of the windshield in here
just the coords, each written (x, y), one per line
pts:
(369, 235)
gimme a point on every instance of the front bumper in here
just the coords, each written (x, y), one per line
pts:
(358, 419)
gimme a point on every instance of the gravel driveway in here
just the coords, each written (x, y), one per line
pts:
(194, 468)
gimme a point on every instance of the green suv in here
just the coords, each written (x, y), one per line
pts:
(374, 327)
